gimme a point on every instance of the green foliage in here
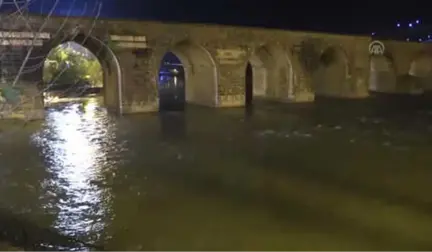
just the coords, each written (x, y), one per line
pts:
(65, 67)
(11, 95)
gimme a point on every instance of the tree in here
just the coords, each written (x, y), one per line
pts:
(94, 72)
(72, 68)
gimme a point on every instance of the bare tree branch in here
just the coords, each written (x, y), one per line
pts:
(29, 51)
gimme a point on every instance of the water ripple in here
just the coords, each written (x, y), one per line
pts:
(76, 143)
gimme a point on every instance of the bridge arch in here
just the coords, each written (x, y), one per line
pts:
(112, 74)
(420, 70)
(200, 73)
(270, 73)
(330, 78)
(256, 72)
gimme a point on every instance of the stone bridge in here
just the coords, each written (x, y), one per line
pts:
(288, 66)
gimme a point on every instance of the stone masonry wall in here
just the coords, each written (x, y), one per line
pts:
(288, 66)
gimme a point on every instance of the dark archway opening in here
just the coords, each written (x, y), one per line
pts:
(71, 71)
(248, 85)
(171, 84)
(330, 79)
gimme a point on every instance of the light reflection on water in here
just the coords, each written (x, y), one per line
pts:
(75, 144)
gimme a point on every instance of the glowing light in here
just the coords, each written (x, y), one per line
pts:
(128, 38)
(77, 151)
(130, 41)
(25, 35)
(398, 24)
(90, 109)
(417, 21)
(20, 42)
(132, 45)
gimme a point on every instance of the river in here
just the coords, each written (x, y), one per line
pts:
(276, 178)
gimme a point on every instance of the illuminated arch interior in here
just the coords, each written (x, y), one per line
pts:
(103, 72)
(200, 74)
(171, 83)
(68, 53)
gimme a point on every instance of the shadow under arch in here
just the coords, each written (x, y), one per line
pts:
(270, 73)
(332, 73)
(200, 73)
(112, 72)
(256, 73)
(420, 72)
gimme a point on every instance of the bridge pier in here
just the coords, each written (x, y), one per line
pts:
(231, 85)
(137, 92)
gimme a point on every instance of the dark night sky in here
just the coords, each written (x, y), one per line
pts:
(332, 16)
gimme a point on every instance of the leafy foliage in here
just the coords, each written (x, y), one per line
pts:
(65, 66)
